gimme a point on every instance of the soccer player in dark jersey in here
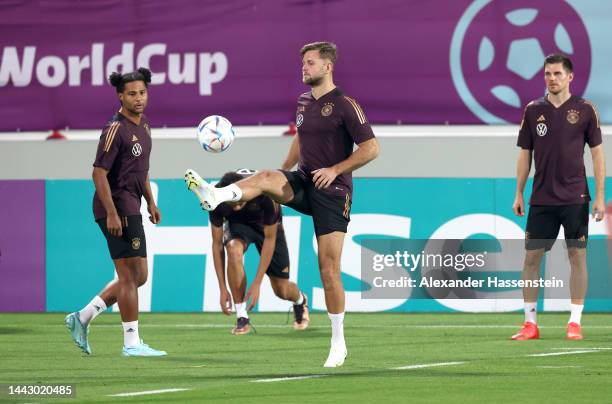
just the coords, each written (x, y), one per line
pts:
(234, 226)
(121, 178)
(329, 124)
(554, 131)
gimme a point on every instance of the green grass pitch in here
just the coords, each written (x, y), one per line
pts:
(467, 358)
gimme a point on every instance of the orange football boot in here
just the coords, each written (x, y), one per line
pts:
(574, 331)
(529, 331)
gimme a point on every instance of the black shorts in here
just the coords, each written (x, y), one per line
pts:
(329, 213)
(543, 223)
(279, 266)
(132, 242)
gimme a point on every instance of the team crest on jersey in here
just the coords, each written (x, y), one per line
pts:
(573, 116)
(541, 129)
(299, 120)
(137, 149)
(136, 243)
(327, 109)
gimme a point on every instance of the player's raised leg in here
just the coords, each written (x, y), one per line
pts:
(330, 251)
(271, 183)
(237, 282)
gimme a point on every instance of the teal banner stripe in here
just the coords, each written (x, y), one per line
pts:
(78, 264)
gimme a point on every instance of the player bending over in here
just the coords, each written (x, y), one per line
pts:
(234, 226)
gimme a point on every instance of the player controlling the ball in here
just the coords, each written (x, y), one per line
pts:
(329, 124)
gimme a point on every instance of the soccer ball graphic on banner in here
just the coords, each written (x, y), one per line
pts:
(215, 134)
(498, 50)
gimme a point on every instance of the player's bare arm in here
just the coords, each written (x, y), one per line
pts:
(523, 166)
(113, 223)
(366, 152)
(218, 253)
(267, 251)
(154, 212)
(293, 156)
(599, 168)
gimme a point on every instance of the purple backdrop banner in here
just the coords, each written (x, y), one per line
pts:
(424, 62)
(22, 246)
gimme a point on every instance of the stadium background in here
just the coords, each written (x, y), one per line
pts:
(446, 115)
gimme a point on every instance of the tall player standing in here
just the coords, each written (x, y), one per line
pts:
(121, 178)
(554, 131)
(329, 124)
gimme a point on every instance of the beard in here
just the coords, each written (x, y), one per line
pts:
(313, 81)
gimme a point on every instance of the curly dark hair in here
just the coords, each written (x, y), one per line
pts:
(119, 80)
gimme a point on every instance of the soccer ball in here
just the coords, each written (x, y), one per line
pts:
(215, 134)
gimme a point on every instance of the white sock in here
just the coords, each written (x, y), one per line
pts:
(337, 324)
(300, 299)
(530, 312)
(241, 310)
(131, 338)
(232, 193)
(576, 313)
(91, 311)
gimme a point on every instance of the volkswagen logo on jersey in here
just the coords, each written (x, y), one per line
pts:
(541, 129)
(137, 149)
(299, 120)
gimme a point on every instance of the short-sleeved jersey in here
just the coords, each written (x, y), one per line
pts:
(328, 129)
(259, 212)
(124, 151)
(557, 137)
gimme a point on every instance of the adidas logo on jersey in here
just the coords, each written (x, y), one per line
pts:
(541, 118)
(134, 138)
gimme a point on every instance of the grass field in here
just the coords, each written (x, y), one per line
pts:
(467, 358)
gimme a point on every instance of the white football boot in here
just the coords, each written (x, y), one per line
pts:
(337, 355)
(203, 190)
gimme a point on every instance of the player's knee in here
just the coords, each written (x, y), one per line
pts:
(533, 259)
(142, 278)
(576, 253)
(329, 276)
(265, 177)
(234, 249)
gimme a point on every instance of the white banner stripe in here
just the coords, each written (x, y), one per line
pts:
(144, 393)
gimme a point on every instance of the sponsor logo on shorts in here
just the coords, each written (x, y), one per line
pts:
(136, 243)
(541, 129)
(573, 116)
(285, 270)
(327, 109)
(137, 149)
